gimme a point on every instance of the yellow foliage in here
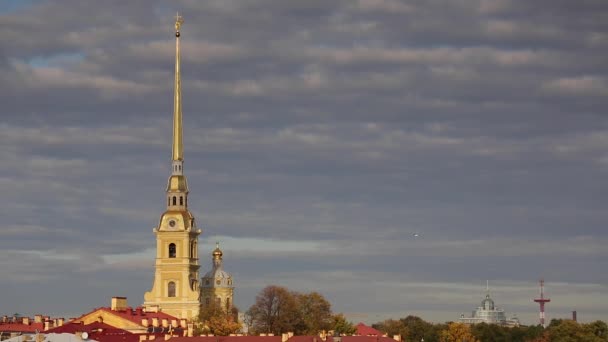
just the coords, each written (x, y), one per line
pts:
(457, 332)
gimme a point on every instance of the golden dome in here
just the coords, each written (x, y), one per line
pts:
(217, 252)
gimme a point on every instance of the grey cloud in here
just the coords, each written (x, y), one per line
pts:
(343, 125)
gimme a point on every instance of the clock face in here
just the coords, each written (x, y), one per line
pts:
(172, 223)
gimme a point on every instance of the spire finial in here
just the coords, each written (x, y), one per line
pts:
(179, 20)
(178, 149)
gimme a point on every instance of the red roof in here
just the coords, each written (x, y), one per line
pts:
(97, 331)
(134, 315)
(366, 330)
(367, 339)
(89, 328)
(228, 339)
(20, 327)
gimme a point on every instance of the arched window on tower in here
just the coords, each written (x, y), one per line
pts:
(191, 249)
(218, 301)
(169, 201)
(181, 200)
(171, 289)
(174, 200)
(227, 304)
(172, 250)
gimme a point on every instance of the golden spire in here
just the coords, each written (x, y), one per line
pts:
(178, 147)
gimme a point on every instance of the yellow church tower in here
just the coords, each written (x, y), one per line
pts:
(175, 290)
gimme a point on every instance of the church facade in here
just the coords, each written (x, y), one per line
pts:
(176, 289)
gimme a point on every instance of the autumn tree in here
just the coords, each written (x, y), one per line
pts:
(274, 311)
(278, 310)
(457, 332)
(213, 319)
(314, 313)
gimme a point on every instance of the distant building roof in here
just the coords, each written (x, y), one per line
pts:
(227, 339)
(366, 330)
(20, 327)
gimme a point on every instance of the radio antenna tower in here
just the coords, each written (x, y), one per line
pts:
(541, 301)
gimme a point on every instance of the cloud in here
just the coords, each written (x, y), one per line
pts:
(319, 136)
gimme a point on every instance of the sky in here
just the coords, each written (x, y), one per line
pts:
(320, 137)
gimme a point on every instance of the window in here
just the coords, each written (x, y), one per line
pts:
(174, 200)
(181, 200)
(207, 301)
(172, 250)
(191, 249)
(218, 301)
(169, 201)
(171, 289)
(227, 304)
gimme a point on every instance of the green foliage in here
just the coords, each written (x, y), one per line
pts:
(571, 331)
(341, 326)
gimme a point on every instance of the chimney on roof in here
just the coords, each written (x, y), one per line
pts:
(26, 321)
(4, 319)
(47, 325)
(139, 311)
(167, 336)
(397, 338)
(190, 329)
(174, 323)
(144, 322)
(183, 323)
(38, 318)
(142, 337)
(284, 337)
(165, 323)
(155, 322)
(119, 303)
(60, 321)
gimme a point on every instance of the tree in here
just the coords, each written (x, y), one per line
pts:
(598, 328)
(457, 332)
(418, 329)
(274, 311)
(341, 326)
(314, 313)
(213, 319)
(570, 331)
(392, 327)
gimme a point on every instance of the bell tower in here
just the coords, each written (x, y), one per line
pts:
(176, 289)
